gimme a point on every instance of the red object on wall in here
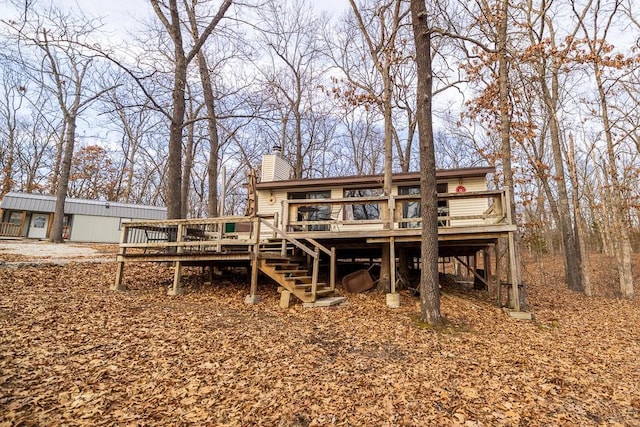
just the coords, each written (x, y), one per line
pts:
(460, 189)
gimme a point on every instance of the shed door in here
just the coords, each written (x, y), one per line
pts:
(38, 225)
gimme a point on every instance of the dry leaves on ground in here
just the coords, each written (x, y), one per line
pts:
(74, 353)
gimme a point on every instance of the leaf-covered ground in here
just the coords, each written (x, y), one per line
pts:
(74, 353)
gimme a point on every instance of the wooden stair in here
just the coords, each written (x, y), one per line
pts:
(289, 273)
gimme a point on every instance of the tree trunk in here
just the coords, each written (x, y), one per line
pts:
(186, 170)
(579, 227)
(173, 184)
(383, 58)
(63, 181)
(429, 283)
(55, 173)
(563, 215)
(298, 125)
(384, 285)
(212, 123)
(7, 170)
(505, 126)
(622, 242)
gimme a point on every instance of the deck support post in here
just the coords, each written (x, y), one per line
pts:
(513, 268)
(392, 263)
(393, 299)
(177, 275)
(117, 285)
(210, 268)
(177, 265)
(332, 270)
(253, 298)
(124, 236)
(498, 271)
(487, 268)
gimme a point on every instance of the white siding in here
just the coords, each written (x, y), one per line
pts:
(275, 168)
(95, 229)
(465, 207)
(269, 203)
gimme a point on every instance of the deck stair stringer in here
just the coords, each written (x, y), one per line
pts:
(292, 276)
(282, 257)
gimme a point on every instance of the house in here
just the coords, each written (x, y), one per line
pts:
(31, 215)
(349, 201)
(354, 216)
(295, 228)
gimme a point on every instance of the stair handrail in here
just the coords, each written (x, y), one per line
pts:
(315, 254)
(289, 238)
(332, 262)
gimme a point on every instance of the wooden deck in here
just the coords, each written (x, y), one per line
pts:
(275, 245)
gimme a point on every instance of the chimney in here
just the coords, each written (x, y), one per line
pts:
(274, 167)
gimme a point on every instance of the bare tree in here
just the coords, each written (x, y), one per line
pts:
(429, 281)
(386, 18)
(169, 15)
(11, 101)
(601, 17)
(291, 34)
(132, 122)
(546, 60)
(54, 36)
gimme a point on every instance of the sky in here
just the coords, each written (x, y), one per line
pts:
(119, 14)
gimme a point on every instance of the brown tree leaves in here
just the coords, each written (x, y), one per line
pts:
(72, 352)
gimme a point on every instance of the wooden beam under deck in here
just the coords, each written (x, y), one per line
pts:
(186, 257)
(408, 234)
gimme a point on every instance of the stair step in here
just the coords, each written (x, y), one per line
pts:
(321, 292)
(272, 258)
(296, 278)
(319, 286)
(274, 246)
(294, 272)
(280, 264)
(325, 302)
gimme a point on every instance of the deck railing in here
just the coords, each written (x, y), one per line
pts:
(207, 238)
(190, 235)
(393, 212)
(8, 229)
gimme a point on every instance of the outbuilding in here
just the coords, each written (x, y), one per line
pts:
(30, 215)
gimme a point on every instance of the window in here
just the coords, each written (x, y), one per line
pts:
(411, 209)
(363, 211)
(443, 205)
(39, 221)
(313, 212)
(15, 218)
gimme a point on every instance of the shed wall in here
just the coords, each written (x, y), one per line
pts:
(89, 228)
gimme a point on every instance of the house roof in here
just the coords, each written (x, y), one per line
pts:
(42, 203)
(374, 180)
